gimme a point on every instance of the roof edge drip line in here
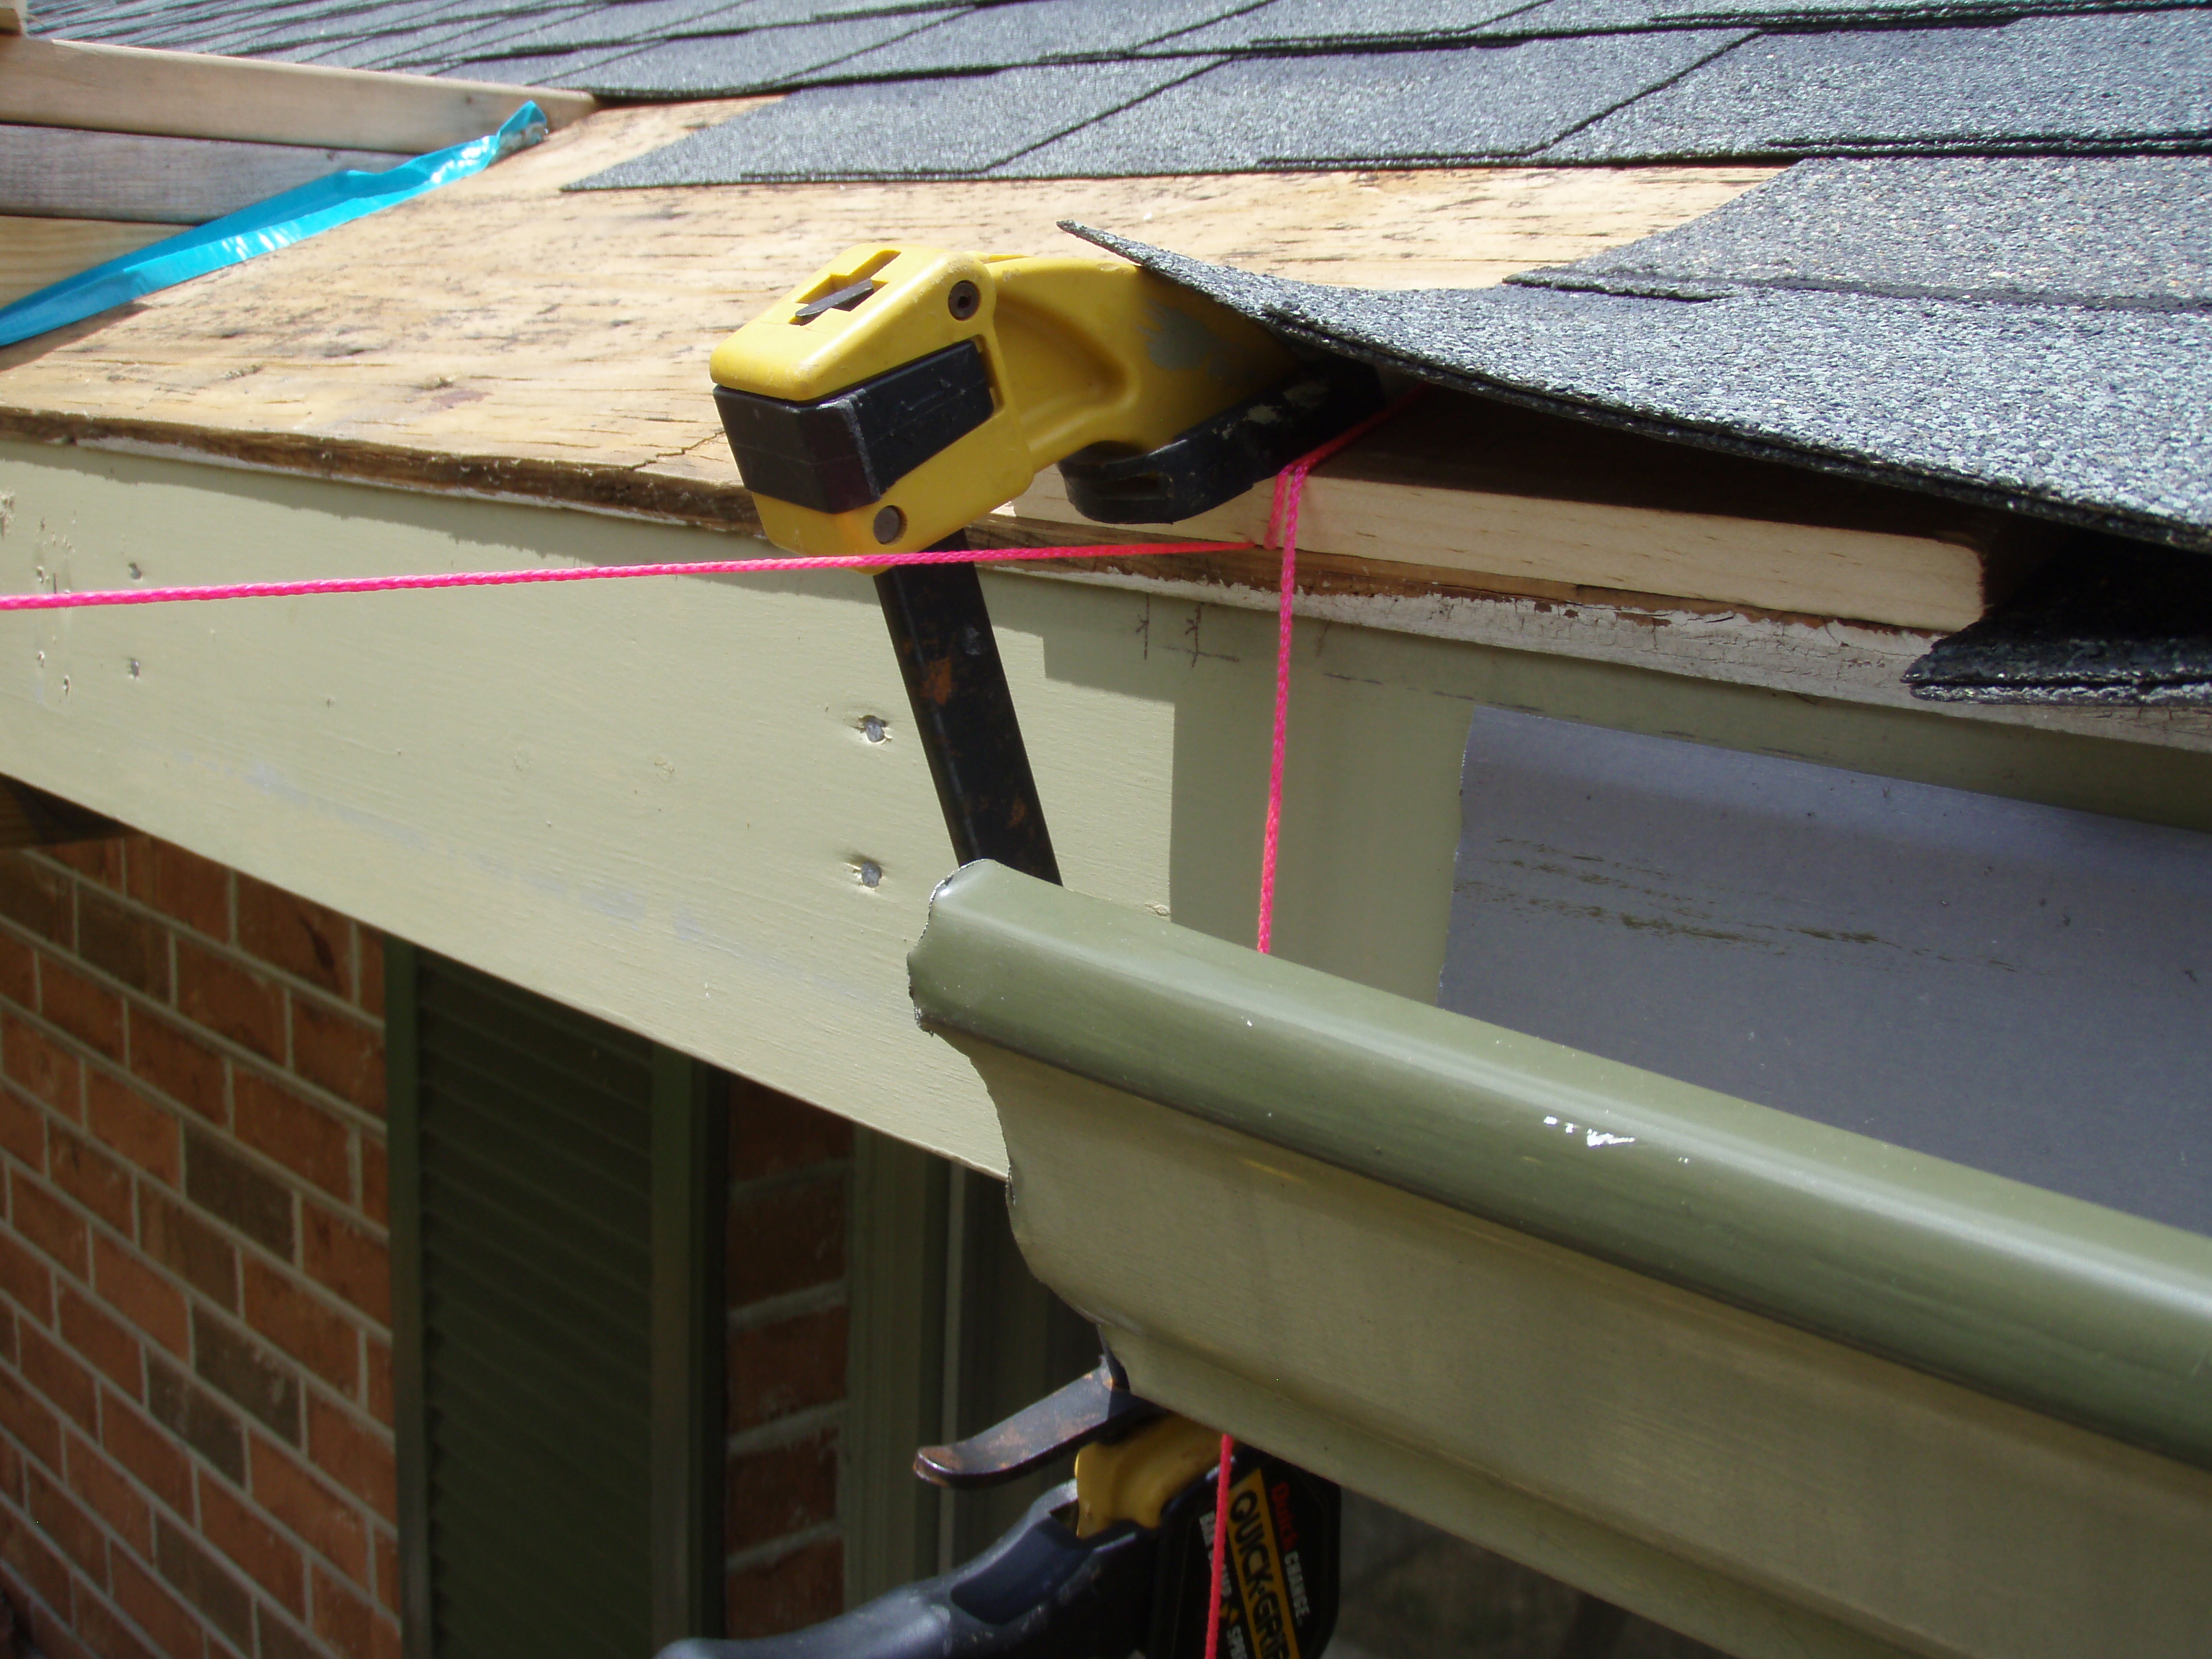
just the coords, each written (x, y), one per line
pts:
(1660, 285)
(1253, 296)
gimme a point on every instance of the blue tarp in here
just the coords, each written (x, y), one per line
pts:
(262, 229)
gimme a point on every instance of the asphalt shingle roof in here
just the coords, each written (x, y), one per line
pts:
(2007, 297)
(1915, 333)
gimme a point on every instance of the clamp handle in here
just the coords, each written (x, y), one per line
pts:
(1039, 1593)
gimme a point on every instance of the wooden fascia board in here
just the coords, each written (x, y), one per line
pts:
(73, 83)
(649, 800)
(1433, 520)
(1797, 652)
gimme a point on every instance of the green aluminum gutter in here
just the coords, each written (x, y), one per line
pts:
(2046, 1301)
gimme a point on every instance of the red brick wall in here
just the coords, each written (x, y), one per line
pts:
(196, 1454)
(195, 1296)
(790, 1181)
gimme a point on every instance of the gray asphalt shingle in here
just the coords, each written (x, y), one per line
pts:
(2099, 82)
(626, 25)
(759, 60)
(2123, 230)
(1845, 14)
(1462, 103)
(1033, 32)
(878, 131)
(2107, 623)
(1322, 25)
(2012, 306)
(2097, 416)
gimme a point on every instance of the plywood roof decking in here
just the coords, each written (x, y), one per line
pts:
(502, 337)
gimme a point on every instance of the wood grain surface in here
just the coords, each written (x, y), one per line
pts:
(500, 337)
(36, 251)
(79, 83)
(1484, 497)
(65, 172)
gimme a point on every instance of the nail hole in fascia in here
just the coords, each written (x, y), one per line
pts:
(872, 728)
(134, 668)
(136, 573)
(871, 873)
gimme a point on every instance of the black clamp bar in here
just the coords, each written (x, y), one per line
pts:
(964, 712)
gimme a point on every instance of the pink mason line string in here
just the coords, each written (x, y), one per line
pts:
(587, 572)
(1283, 531)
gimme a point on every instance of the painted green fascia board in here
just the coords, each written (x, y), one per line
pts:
(2077, 1311)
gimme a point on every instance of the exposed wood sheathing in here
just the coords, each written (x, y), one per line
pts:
(36, 251)
(473, 338)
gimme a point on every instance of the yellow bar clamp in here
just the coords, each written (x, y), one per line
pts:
(899, 393)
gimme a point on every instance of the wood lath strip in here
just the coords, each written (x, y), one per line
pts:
(61, 172)
(36, 251)
(72, 83)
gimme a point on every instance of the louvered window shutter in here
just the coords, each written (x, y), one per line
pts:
(556, 1204)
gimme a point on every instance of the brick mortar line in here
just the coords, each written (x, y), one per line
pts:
(768, 1554)
(308, 1381)
(314, 1556)
(306, 1191)
(299, 1185)
(21, 1594)
(229, 1048)
(92, 970)
(76, 1574)
(195, 1297)
(359, 1318)
(239, 954)
(148, 1348)
(302, 1631)
(352, 1116)
(770, 1311)
(786, 1430)
(158, 1507)
(256, 1594)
